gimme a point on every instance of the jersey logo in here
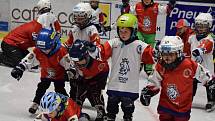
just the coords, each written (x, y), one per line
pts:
(124, 69)
(101, 66)
(139, 49)
(51, 73)
(146, 23)
(187, 73)
(172, 91)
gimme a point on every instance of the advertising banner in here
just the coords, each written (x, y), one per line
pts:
(187, 11)
(21, 11)
(4, 15)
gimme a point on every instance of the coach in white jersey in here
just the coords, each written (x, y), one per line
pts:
(126, 55)
(202, 47)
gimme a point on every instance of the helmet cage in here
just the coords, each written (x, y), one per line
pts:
(81, 14)
(81, 18)
(202, 28)
(171, 44)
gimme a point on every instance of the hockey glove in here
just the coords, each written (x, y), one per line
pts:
(146, 95)
(43, 117)
(156, 51)
(197, 53)
(90, 46)
(84, 117)
(72, 74)
(211, 85)
(17, 72)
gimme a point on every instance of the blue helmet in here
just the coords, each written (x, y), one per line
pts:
(46, 39)
(78, 51)
(50, 102)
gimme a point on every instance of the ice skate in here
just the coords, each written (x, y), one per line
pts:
(34, 107)
(84, 117)
(110, 117)
(210, 106)
(100, 113)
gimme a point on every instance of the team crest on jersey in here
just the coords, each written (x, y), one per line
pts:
(187, 73)
(124, 69)
(146, 22)
(139, 49)
(172, 91)
(51, 73)
(101, 66)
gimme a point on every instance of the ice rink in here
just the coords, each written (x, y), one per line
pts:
(16, 98)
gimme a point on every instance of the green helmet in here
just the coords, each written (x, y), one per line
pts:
(127, 20)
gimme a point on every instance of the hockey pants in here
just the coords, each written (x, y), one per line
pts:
(11, 55)
(127, 105)
(45, 84)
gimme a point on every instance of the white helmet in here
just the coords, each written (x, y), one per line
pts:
(171, 44)
(205, 19)
(82, 13)
(44, 4)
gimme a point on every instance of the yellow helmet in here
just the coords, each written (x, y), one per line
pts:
(127, 20)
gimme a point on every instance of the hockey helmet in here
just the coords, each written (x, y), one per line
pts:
(46, 39)
(44, 4)
(203, 24)
(129, 21)
(81, 14)
(50, 102)
(169, 45)
(78, 51)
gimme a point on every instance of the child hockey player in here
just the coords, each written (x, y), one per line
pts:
(174, 74)
(57, 107)
(97, 16)
(53, 60)
(82, 29)
(202, 47)
(92, 78)
(125, 6)
(46, 18)
(123, 83)
(15, 45)
(147, 12)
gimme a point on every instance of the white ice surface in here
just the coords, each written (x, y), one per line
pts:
(16, 97)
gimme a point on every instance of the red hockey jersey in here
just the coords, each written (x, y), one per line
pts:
(72, 110)
(147, 17)
(22, 35)
(96, 68)
(50, 66)
(177, 85)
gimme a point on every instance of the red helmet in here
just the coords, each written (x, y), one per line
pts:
(182, 23)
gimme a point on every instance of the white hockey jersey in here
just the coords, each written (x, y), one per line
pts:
(208, 55)
(89, 33)
(125, 65)
(47, 20)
